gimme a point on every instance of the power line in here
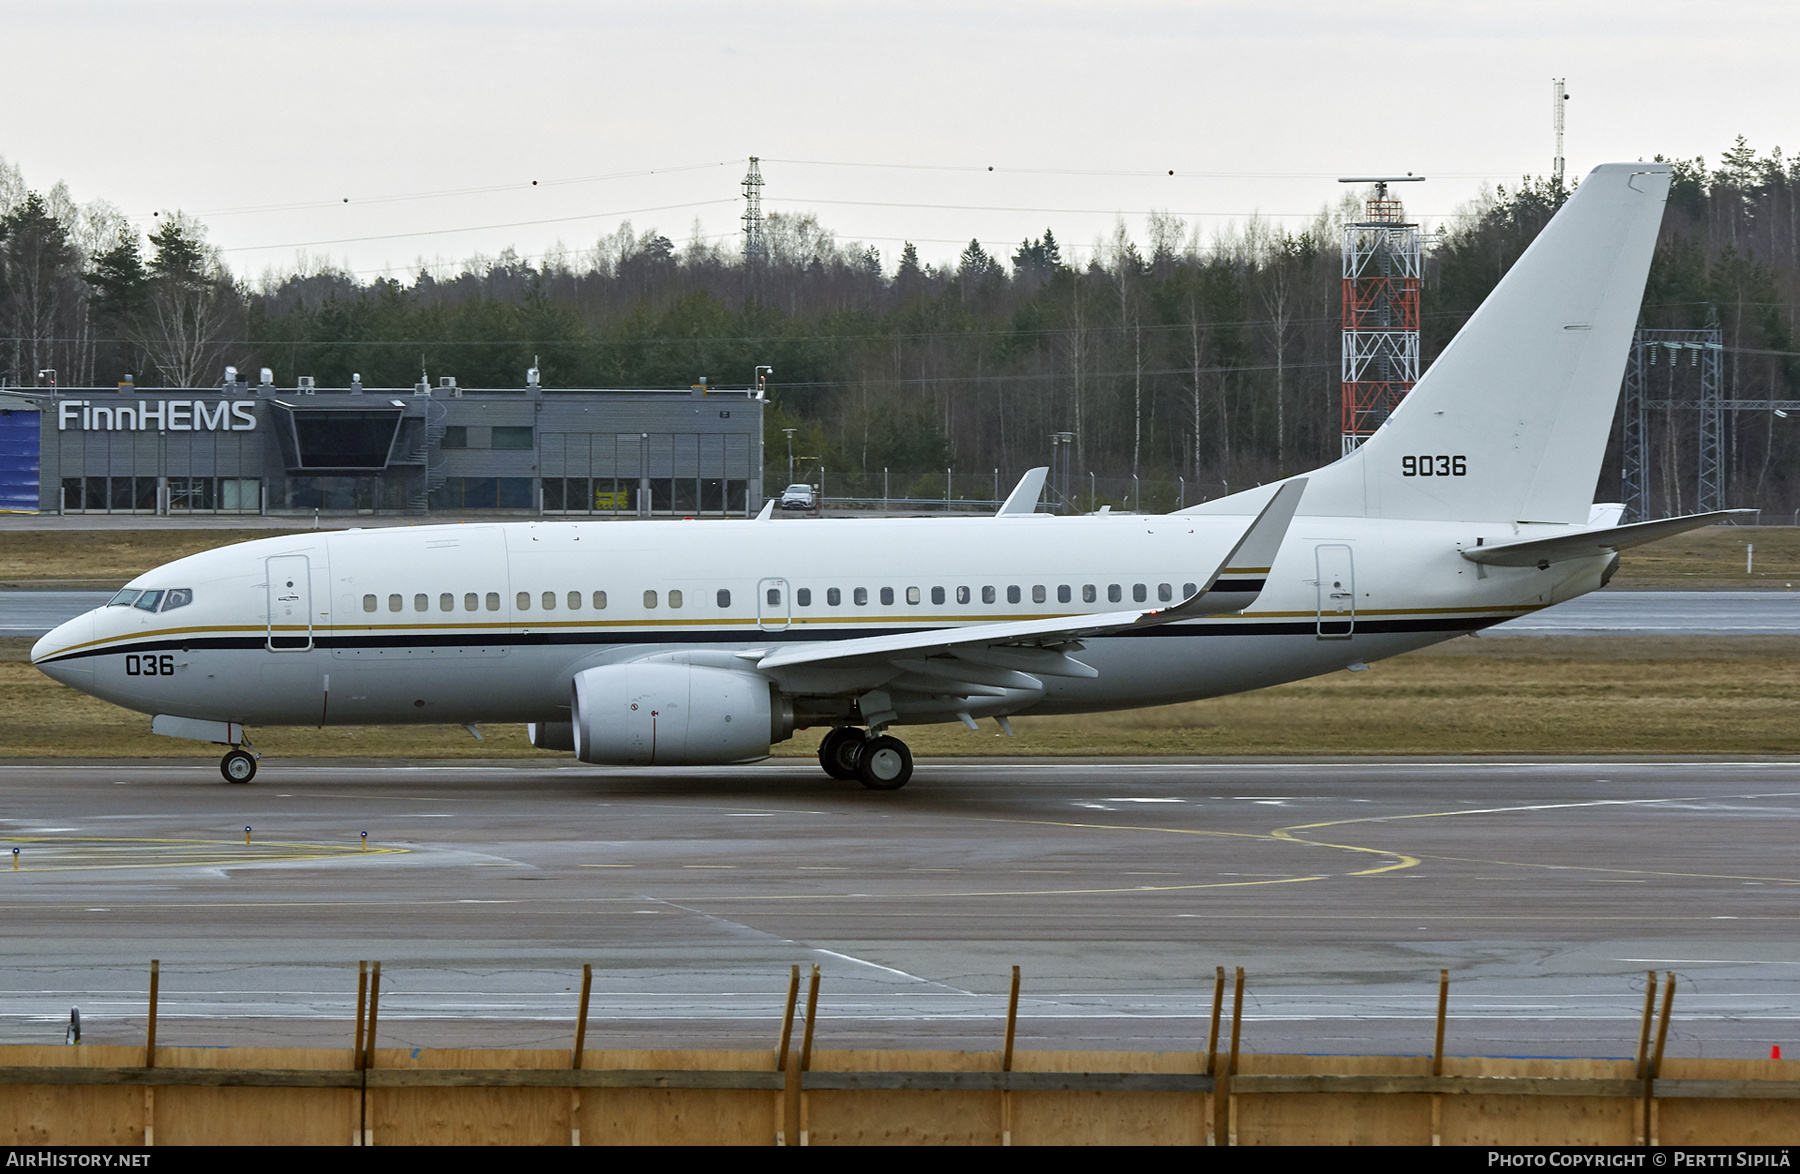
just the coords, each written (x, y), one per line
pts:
(348, 240)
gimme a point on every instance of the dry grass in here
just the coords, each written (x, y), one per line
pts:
(1709, 558)
(1512, 695)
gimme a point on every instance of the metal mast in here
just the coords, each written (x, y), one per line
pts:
(756, 249)
(1380, 361)
(1558, 95)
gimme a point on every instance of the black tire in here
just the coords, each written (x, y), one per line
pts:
(839, 751)
(885, 764)
(238, 766)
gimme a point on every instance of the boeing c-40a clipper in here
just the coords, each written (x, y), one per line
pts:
(705, 642)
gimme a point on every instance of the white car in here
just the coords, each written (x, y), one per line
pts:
(799, 497)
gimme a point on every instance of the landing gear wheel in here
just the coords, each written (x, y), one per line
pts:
(885, 764)
(840, 750)
(238, 767)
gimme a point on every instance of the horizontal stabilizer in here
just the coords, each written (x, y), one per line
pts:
(1541, 552)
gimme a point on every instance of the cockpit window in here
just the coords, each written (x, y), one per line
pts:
(124, 598)
(178, 597)
(148, 600)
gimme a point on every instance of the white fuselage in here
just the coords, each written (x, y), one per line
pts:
(491, 622)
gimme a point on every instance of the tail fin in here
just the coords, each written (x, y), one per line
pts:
(1510, 423)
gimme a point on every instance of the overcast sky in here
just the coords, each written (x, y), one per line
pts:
(432, 119)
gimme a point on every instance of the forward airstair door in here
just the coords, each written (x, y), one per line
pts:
(1337, 592)
(290, 603)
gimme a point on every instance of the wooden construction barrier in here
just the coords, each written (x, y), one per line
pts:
(88, 1094)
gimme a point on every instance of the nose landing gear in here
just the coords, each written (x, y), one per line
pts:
(880, 763)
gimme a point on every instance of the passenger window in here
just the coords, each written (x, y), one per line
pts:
(524, 601)
(987, 595)
(493, 601)
(675, 599)
(649, 601)
(1165, 592)
(124, 598)
(574, 601)
(1012, 594)
(599, 601)
(1062, 593)
(549, 601)
(396, 602)
(1139, 593)
(774, 597)
(1088, 593)
(887, 597)
(471, 601)
(1037, 593)
(1114, 594)
(833, 597)
(724, 597)
(179, 597)
(1188, 589)
(368, 603)
(446, 602)
(803, 596)
(421, 603)
(861, 595)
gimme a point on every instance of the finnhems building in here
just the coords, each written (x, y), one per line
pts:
(259, 448)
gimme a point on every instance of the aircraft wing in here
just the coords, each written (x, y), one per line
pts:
(989, 660)
(1541, 552)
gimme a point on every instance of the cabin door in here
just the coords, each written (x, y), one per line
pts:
(1337, 592)
(290, 603)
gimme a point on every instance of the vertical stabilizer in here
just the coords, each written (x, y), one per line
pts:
(1510, 423)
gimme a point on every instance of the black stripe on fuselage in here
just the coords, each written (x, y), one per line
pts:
(1447, 625)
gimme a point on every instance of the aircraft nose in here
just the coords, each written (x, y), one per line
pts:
(47, 653)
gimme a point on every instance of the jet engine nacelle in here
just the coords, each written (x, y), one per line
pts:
(673, 714)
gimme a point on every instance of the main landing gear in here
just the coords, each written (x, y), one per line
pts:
(238, 765)
(880, 763)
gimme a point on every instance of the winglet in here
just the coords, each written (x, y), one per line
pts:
(1024, 497)
(768, 510)
(1239, 579)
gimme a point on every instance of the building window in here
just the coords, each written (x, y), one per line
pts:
(455, 436)
(513, 436)
(724, 597)
(368, 603)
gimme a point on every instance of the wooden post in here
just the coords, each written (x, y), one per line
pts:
(1212, 1055)
(368, 1059)
(356, 1050)
(150, 1055)
(1437, 1058)
(587, 986)
(1643, 1056)
(790, 1089)
(1006, 1058)
(1653, 1124)
(1237, 1021)
(806, 1040)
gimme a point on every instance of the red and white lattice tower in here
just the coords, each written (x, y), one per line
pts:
(1381, 311)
